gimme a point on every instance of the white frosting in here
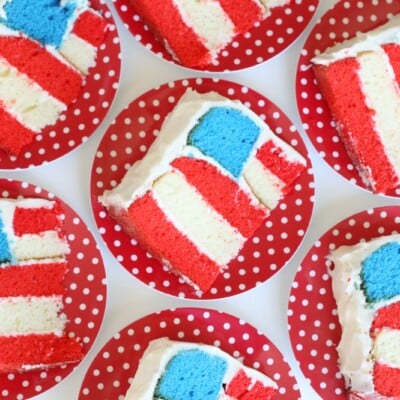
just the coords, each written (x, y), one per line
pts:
(171, 142)
(367, 41)
(355, 349)
(159, 353)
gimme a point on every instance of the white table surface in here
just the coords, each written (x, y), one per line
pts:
(129, 299)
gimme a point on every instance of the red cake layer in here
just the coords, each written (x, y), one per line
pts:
(392, 50)
(259, 392)
(388, 317)
(57, 78)
(243, 14)
(37, 350)
(13, 135)
(387, 380)
(238, 385)
(90, 27)
(224, 195)
(44, 279)
(36, 220)
(165, 21)
(273, 158)
(147, 223)
(355, 121)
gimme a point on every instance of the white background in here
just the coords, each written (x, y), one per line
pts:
(265, 307)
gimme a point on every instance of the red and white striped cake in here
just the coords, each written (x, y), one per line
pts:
(194, 32)
(171, 369)
(40, 74)
(366, 286)
(206, 184)
(33, 264)
(359, 79)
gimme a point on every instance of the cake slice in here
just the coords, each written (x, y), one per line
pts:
(195, 32)
(46, 51)
(366, 286)
(177, 370)
(359, 79)
(206, 184)
(33, 265)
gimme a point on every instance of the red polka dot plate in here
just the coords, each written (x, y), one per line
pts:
(341, 22)
(82, 117)
(109, 375)
(313, 325)
(127, 140)
(264, 41)
(84, 301)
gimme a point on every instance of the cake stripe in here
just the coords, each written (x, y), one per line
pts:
(173, 193)
(50, 73)
(41, 279)
(253, 10)
(356, 117)
(386, 350)
(90, 27)
(387, 380)
(35, 220)
(23, 315)
(375, 73)
(273, 157)
(157, 233)
(22, 97)
(388, 316)
(13, 135)
(265, 186)
(81, 54)
(191, 51)
(37, 350)
(227, 199)
(46, 245)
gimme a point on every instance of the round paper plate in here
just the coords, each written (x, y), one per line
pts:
(82, 117)
(84, 301)
(109, 375)
(128, 139)
(264, 41)
(313, 324)
(341, 22)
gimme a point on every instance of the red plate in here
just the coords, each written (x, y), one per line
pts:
(84, 116)
(337, 24)
(313, 324)
(110, 372)
(84, 302)
(127, 140)
(262, 42)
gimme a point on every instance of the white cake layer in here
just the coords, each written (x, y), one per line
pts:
(45, 245)
(171, 143)
(24, 315)
(26, 100)
(190, 214)
(382, 95)
(387, 350)
(368, 41)
(265, 186)
(160, 351)
(355, 315)
(81, 54)
(208, 20)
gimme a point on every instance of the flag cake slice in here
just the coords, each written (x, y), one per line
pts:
(33, 264)
(176, 370)
(195, 32)
(46, 51)
(207, 182)
(359, 79)
(366, 286)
